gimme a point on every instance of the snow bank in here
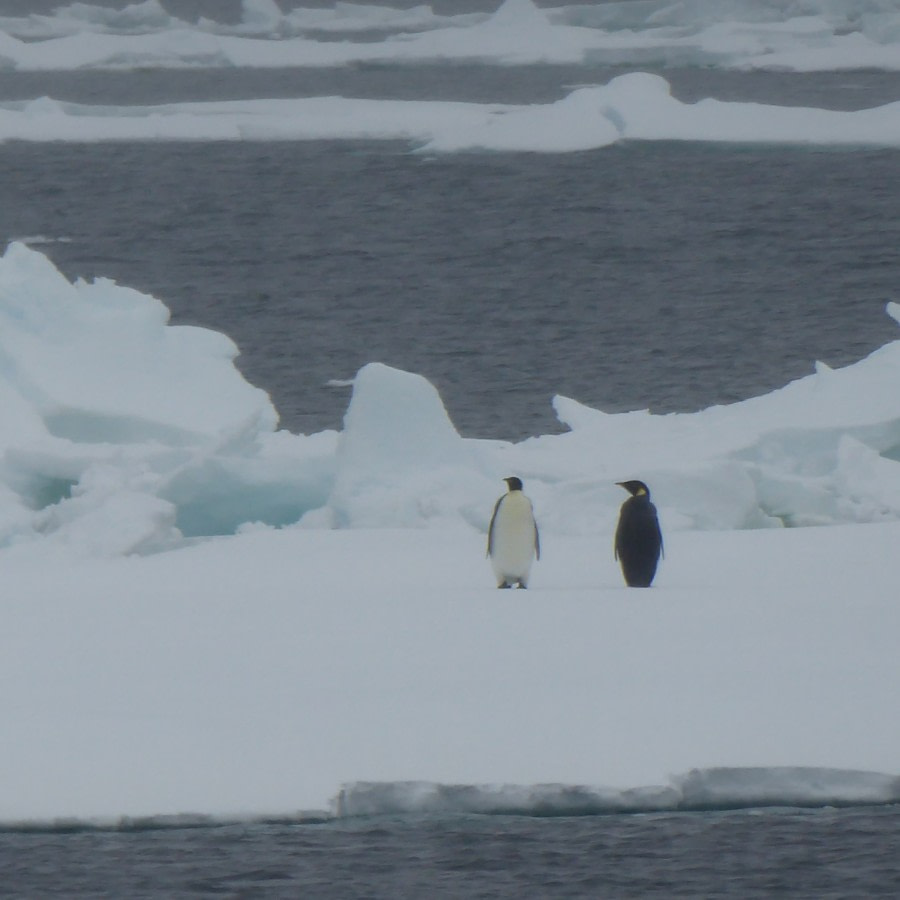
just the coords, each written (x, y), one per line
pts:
(634, 107)
(121, 433)
(813, 35)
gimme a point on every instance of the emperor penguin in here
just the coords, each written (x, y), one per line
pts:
(639, 542)
(513, 540)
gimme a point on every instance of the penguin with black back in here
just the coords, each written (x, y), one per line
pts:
(639, 542)
(513, 539)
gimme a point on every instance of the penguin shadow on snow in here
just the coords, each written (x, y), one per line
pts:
(514, 541)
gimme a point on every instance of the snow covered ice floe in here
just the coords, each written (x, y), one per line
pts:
(634, 107)
(257, 674)
(204, 614)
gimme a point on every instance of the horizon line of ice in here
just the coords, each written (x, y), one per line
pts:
(700, 790)
(518, 32)
(719, 789)
(637, 106)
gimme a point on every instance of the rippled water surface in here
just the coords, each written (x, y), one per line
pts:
(817, 854)
(664, 275)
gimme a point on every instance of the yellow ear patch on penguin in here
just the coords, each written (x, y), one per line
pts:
(640, 492)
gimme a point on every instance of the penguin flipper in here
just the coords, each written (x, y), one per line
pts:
(490, 540)
(662, 549)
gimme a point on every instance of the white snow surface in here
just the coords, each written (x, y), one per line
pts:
(206, 615)
(811, 35)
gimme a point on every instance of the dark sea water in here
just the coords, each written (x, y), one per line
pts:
(816, 854)
(670, 276)
(664, 275)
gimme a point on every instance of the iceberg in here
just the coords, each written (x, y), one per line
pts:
(103, 398)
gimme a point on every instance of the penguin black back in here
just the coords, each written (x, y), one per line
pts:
(639, 542)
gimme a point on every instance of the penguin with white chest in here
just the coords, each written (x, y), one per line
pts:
(513, 539)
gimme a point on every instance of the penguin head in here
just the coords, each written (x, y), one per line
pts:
(635, 488)
(513, 483)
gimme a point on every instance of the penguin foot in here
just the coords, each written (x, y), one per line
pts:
(504, 584)
(523, 586)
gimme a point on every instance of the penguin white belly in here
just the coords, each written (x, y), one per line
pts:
(513, 538)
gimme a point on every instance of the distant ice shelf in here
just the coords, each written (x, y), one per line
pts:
(819, 35)
(697, 791)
